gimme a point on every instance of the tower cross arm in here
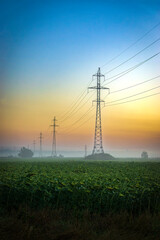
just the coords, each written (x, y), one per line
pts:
(95, 75)
(92, 87)
(95, 87)
(104, 88)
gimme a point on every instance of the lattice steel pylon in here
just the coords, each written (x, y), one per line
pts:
(54, 152)
(40, 139)
(98, 146)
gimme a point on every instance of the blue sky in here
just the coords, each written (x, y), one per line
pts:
(40, 38)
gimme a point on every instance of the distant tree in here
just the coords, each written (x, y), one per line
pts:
(25, 152)
(144, 155)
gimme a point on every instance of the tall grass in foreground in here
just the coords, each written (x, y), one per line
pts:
(28, 224)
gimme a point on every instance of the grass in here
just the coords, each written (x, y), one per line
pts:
(52, 224)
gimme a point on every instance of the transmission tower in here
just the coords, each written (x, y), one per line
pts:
(54, 125)
(34, 144)
(85, 151)
(40, 139)
(98, 146)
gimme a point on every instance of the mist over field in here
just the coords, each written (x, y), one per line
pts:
(4, 152)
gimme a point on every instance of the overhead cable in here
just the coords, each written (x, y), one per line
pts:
(131, 69)
(158, 39)
(133, 44)
(135, 85)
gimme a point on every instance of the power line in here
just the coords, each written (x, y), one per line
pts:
(83, 104)
(130, 69)
(77, 108)
(76, 102)
(84, 115)
(89, 110)
(73, 108)
(158, 39)
(154, 94)
(80, 125)
(48, 136)
(135, 84)
(109, 105)
(121, 73)
(134, 95)
(74, 105)
(82, 97)
(130, 46)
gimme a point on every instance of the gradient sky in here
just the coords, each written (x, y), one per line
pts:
(49, 52)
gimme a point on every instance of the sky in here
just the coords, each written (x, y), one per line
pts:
(49, 52)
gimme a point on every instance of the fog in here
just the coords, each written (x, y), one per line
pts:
(119, 153)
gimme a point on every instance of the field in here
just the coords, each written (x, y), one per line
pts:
(78, 188)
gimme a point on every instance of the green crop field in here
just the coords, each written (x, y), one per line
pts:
(77, 199)
(94, 185)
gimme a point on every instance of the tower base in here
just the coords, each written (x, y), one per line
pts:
(100, 156)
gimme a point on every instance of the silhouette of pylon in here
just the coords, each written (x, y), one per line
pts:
(98, 146)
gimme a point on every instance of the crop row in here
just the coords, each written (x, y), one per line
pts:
(96, 186)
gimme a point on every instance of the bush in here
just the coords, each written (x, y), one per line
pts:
(144, 155)
(25, 152)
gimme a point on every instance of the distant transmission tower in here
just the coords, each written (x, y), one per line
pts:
(98, 146)
(85, 151)
(40, 139)
(34, 144)
(54, 125)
